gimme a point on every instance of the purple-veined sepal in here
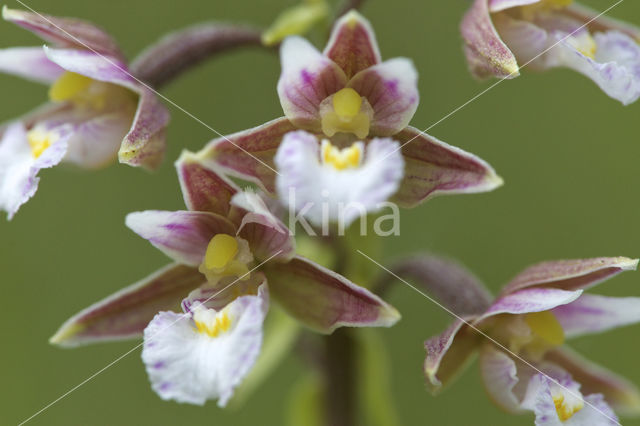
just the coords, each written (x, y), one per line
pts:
(126, 313)
(324, 300)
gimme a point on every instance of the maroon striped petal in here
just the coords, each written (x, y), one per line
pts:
(64, 32)
(487, 54)
(571, 274)
(433, 168)
(125, 314)
(203, 189)
(323, 300)
(249, 154)
(145, 143)
(353, 44)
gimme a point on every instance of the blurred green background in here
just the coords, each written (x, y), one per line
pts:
(568, 153)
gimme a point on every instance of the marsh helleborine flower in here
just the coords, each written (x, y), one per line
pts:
(96, 109)
(350, 112)
(532, 317)
(231, 252)
(501, 35)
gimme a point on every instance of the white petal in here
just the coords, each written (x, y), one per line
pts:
(95, 137)
(591, 313)
(19, 168)
(324, 193)
(615, 67)
(188, 366)
(525, 39)
(95, 142)
(500, 376)
(30, 63)
(307, 79)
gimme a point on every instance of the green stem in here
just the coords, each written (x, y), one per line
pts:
(339, 372)
(339, 366)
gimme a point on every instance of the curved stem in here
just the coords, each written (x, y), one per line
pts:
(178, 52)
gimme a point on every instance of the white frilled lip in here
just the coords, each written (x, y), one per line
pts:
(19, 168)
(542, 391)
(188, 366)
(615, 68)
(496, 43)
(351, 59)
(555, 40)
(313, 188)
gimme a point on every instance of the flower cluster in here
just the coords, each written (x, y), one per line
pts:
(344, 149)
(521, 335)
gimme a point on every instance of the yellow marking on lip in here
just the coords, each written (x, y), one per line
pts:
(39, 141)
(212, 325)
(341, 159)
(564, 410)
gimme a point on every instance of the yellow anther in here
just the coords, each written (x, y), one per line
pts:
(221, 250)
(341, 159)
(345, 112)
(212, 323)
(39, 141)
(546, 326)
(68, 86)
(347, 103)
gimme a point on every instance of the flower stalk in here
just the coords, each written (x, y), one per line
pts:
(339, 371)
(179, 51)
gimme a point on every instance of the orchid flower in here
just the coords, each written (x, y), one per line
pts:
(352, 144)
(521, 335)
(97, 110)
(502, 35)
(230, 253)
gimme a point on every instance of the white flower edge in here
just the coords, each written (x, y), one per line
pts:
(189, 366)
